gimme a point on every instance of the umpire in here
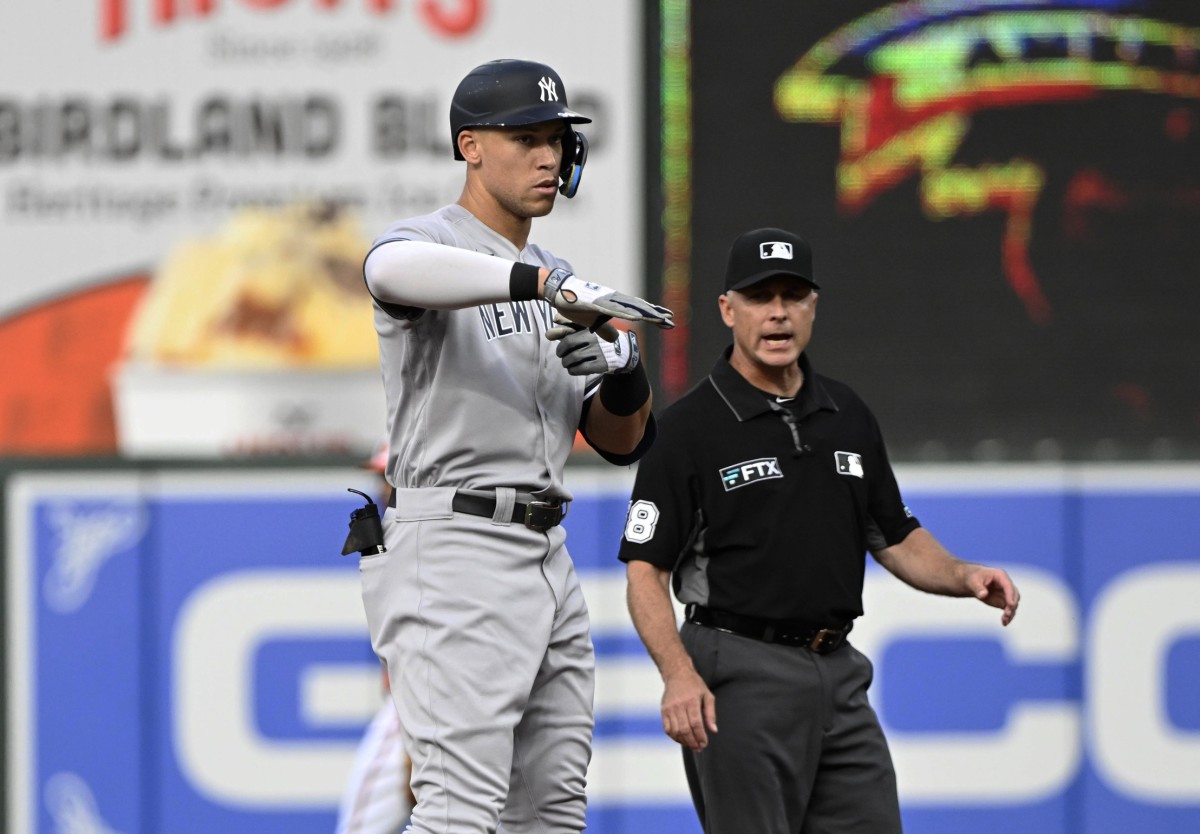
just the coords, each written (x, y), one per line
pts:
(767, 486)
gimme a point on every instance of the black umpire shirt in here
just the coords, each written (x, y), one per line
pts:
(766, 509)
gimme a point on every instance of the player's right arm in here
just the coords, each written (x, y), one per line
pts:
(432, 276)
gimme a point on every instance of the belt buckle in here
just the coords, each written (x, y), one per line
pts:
(817, 644)
(541, 515)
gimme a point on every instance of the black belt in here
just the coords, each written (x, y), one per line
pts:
(784, 632)
(536, 515)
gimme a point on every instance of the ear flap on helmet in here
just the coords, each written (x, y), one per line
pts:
(575, 149)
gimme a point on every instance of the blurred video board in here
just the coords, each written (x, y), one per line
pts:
(1003, 200)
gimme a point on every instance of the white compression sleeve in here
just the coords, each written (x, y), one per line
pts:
(417, 273)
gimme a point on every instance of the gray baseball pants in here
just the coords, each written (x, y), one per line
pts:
(484, 631)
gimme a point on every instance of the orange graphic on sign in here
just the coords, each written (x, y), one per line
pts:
(54, 393)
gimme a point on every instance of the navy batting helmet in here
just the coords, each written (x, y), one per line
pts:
(510, 92)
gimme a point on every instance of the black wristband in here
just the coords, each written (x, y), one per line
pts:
(523, 282)
(624, 394)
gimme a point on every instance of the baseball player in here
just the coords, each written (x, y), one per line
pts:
(377, 798)
(494, 354)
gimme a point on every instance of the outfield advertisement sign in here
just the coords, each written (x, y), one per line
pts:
(188, 653)
(185, 203)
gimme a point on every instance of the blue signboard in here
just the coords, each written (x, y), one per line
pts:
(188, 653)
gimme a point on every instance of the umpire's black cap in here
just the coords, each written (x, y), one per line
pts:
(509, 92)
(764, 253)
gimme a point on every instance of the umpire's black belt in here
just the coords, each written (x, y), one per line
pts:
(784, 632)
(536, 515)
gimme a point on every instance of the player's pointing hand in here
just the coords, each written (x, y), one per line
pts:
(583, 301)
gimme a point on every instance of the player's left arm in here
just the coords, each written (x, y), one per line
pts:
(617, 434)
(617, 419)
(921, 561)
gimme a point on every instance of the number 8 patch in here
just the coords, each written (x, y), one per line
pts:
(641, 521)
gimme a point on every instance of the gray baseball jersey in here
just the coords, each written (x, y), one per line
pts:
(477, 398)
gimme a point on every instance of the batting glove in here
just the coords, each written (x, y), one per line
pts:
(584, 352)
(577, 298)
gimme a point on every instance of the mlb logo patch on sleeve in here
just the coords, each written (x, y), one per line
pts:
(849, 463)
(747, 472)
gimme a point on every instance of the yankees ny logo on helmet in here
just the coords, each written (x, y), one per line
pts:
(500, 94)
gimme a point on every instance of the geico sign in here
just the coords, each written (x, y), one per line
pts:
(220, 629)
(1134, 622)
(225, 757)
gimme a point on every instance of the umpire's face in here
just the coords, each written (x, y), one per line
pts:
(772, 322)
(516, 167)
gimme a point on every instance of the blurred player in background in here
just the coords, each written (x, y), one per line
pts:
(377, 798)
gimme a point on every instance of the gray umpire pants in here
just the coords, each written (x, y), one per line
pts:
(799, 749)
(484, 631)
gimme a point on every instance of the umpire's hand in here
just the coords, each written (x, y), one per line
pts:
(585, 303)
(689, 709)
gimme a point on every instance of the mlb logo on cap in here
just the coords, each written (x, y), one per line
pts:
(775, 249)
(766, 253)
